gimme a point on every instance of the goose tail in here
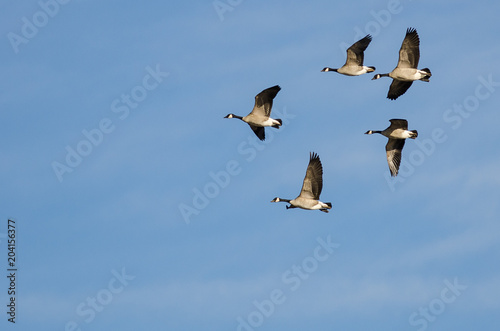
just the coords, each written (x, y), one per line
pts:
(427, 74)
(277, 126)
(428, 71)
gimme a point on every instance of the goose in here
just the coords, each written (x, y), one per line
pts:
(311, 188)
(397, 132)
(354, 64)
(406, 71)
(259, 116)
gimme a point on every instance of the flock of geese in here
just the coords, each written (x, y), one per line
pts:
(405, 73)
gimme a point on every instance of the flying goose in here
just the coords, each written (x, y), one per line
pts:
(311, 188)
(397, 132)
(259, 116)
(406, 71)
(354, 64)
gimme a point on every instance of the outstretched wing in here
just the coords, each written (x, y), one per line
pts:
(313, 181)
(264, 101)
(355, 53)
(398, 88)
(259, 131)
(409, 53)
(394, 149)
(397, 123)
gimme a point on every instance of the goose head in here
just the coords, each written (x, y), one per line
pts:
(276, 199)
(229, 116)
(369, 132)
(377, 76)
(328, 69)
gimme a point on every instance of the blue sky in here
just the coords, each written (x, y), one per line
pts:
(112, 120)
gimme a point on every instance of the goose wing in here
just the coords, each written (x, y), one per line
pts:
(398, 124)
(264, 101)
(313, 182)
(394, 149)
(259, 131)
(409, 53)
(398, 88)
(355, 53)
